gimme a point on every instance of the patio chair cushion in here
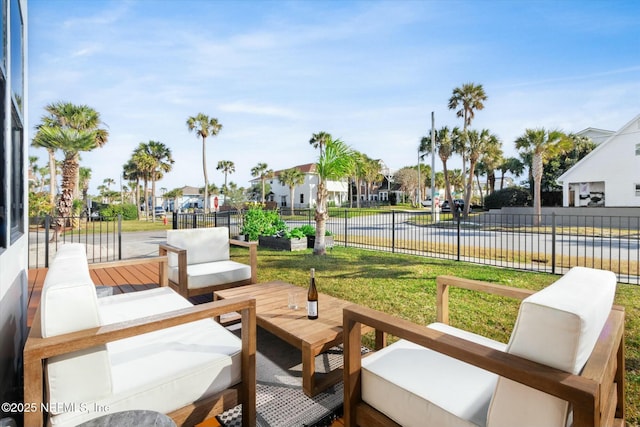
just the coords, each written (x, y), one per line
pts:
(203, 245)
(558, 327)
(68, 304)
(191, 361)
(416, 386)
(212, 273)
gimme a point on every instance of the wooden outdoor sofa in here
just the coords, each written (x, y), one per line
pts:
(147, 350)
(564, 364)
(199, 261)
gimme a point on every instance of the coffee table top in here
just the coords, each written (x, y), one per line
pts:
(293, 326)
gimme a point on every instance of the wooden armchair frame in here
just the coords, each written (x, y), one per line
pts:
(37, 350)
(182, 285)
(597, 394)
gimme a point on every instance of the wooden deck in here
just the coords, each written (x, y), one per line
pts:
(123, 278)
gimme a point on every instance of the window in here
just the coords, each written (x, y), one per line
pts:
(17, 65)
(637, 190)
(301, 198)
(3, 173)
(17, 181)
(638, 149)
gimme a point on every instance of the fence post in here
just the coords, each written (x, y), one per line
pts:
(47, 226)
(119, 236)
(174, 220)
(553, 243)
(393, 231)
(195, 221)
(458, 245)
(346, 235)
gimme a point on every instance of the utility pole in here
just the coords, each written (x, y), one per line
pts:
(433, 166)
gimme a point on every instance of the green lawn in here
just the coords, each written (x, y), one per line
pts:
(404, 285)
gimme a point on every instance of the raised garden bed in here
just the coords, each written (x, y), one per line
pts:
(282, 243)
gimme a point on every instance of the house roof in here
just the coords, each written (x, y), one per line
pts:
(190, 191)
(308, 168)
(598, 148)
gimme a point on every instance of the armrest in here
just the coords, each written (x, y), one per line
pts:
(253, 256)
(36, 349)
(163, 248)
(580, 391)
(162, 260)
(444, 282)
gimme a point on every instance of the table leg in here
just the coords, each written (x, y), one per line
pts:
(308, 369)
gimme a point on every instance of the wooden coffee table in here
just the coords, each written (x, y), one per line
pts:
(312, 337)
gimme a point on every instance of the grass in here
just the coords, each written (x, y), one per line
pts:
(404, 285)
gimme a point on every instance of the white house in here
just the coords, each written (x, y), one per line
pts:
(609, 175)
(598, 136)
(14, 236)
(305, 195)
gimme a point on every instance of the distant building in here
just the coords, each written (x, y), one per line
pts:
(610, 174)
(305, 195)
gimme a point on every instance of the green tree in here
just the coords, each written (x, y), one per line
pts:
(204, 127)
(559, 164)
(227, 167)
(479, 144)
(407, 179)
(71, 129)
(511, 164)
(319, 140)
(262, 171)
(334, 163)
(85, 178)
(467, 99)
(445, 148)
(291, 178)
(132, 173)
(541, 145)
(144, 164)
(162, 162)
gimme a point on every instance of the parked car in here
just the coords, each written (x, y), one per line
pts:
(458, 203)
(160, 212)
(426, 203)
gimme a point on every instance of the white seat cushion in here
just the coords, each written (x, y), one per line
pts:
(416, 386)
(213, 273)
(202, 244)
(163, 370)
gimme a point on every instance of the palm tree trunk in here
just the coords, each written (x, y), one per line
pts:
(206, 179)
(292, 189)
(537, 178)
(52, 177)
(319, 247)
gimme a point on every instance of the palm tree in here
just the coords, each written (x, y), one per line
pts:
(71, 129)
(335, 162)
(144, 165)
(319, 140)
(134, 175)
(85, 178)
(468, 98)
(372, 173)
(445, 148)
(262, 171)
(227, 167)
(358, 173)
(204, 127)
(541, 145)
(162, 163)
(108, 182)
(479, 144)
(513, 165)
(291, 178)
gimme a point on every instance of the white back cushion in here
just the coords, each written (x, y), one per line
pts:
(202, 244)
(558, 327)
(68, 304)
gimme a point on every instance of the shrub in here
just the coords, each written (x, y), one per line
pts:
(512, 196)
(308, 230)
(258, 222)
(128, 211)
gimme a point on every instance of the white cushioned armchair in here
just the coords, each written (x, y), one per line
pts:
(563, 365)
(199, 261)
(147, 350)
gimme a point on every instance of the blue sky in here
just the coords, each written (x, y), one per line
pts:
(368, 72)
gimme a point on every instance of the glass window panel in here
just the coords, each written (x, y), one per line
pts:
(3, 172)
(17, 66)
(17, 175)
